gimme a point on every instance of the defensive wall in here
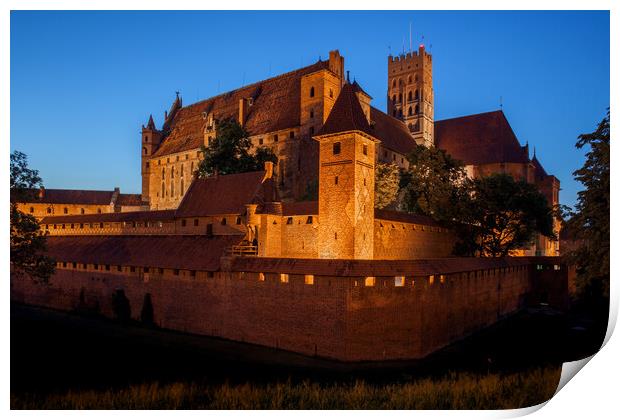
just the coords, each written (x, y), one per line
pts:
(350, 310)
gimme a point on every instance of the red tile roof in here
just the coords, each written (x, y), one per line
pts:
(129, 216)
(173, 251)
(480, 139)
(300, 208)
(226, 194)
(275, 107)
(56, 196)
(130, 200)
(346, 115)
(399, 216)
(392, 132)
(362, 268)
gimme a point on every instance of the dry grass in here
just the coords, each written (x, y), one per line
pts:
(454, 391)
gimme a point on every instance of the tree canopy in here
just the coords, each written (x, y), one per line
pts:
(590, 220)
(229, 152)
(28, 243)
(387, 179)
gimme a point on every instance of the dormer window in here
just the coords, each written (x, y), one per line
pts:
(336, 148)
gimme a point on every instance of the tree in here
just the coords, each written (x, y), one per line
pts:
(387, 180)
(229, 152)
(503, 215)
(590, 221)
(435, 185)
(28, 243)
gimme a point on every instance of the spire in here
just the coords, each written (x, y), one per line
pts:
(151, 124)
(346, 115)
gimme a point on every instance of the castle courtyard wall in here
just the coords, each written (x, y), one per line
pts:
(349, 318)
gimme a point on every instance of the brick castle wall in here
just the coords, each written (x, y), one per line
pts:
(334, 317)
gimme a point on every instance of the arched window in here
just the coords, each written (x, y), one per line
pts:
(393, 82)
(65, 210)
(410, 96)
(409, 80)
(417, 94)
(223, 221)
(31, 209)
(49, 210)
(400, 82)
(99, 211)
(410, 111)
(81, 211)
(417, 109)
(312, 92)
(400, 97)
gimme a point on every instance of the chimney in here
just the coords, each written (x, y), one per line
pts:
(268, 170)
(243, 110)
(41, 193)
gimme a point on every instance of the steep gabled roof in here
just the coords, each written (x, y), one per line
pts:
(275, 106)
(128, 216)
(169, 251)
(346, 115)
(392, 132)
(480, 139)
(226, 194)
(130, 200)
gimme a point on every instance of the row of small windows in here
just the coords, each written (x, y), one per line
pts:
(64, 210)
(337, 148)
(400, 81)
(131, 269)
(101, 225)
(331, 92)
(411, 96)
(309, 220)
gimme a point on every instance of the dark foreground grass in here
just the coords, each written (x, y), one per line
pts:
(454, 391)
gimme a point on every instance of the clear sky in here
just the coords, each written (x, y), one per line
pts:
(82, 83)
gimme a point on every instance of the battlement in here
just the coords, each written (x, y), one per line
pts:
(410, 56)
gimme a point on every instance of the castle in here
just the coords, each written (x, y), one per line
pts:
(241, 257)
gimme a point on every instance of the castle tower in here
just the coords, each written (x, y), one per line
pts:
(151, 137)
(346, 181)
(410, 93)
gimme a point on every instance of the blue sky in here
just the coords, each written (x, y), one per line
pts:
(82, 83)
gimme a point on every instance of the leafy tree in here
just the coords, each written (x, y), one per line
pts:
(28, 243)
(229, 152)
(504, 215)
(590, 220)
(387, 180)
(435, 185)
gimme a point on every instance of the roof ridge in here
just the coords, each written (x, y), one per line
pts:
(497, 111)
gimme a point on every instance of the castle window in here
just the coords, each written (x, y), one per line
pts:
(364, 181)
(336, 148)
(365, 149)
(415, 78)
(417, 109)
(260, 141)
(312, 92)
(417, 95)
(192, 273)
(400, 97)
(284, 278)
(31, 209)
(163, 189)
(442, 278)
(309, 220)
(146, 269)
(182, 185)
(176, 271)
(369, 281)
(238, 221)
(81, 225)
(72, 226)
(331, 93)
(65, 210)
(336, 235)
(336, 180)
(289, 221)
(172, 173)
(410, 112)
(400, 112)
(291, 135)
(183, 222)
(196, 222)
(431, 280)
(309, 279)
(393, 82)
(311, 131)
(409, 80)
(186, 157)
(146, 140)
(144, 150)
(49, 210)
(99, 211)
(261, 277)
(191, 168)
(209, 229)
(177, 158)
(275, 138)
(107, 267)
(312, 113)
(223, 221)
(399, 281)
(410, 96)
(172, 189)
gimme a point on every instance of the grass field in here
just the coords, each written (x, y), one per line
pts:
(454, 391)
